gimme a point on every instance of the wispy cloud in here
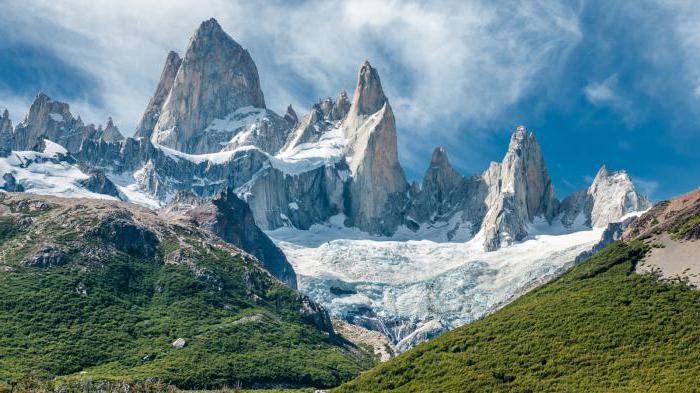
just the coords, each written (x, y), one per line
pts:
(441, 63)
(608, 94)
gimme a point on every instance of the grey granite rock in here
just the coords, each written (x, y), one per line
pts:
(216, 78)
(6, 134)
(377, 194)
(150, 117)
(519, 191)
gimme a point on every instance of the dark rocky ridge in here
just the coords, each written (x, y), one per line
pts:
(231, 219)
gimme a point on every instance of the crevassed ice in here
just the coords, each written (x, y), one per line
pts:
(383, 282)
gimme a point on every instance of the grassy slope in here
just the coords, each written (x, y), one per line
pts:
(136, 308)
(598, 328)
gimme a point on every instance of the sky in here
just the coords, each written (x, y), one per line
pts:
(598, 82)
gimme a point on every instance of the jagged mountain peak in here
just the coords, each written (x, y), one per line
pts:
(209, 26)
(216, 78)
(210, 36)
(439, 157)
(155, 105)
(173, 57)
(521, 190)
(602, 172)
(614, 195)
(6, 137)
(111, 132)
(369, 96)
(291, 115)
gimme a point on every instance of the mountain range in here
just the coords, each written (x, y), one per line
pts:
(324, 194)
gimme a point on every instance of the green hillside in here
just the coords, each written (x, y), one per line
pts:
(94, 290)
(598, 328)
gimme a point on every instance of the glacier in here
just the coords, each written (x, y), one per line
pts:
(412, 289)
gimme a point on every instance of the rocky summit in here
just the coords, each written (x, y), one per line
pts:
(215, 78)
(323, 185)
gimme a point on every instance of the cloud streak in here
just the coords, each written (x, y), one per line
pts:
(442, 63)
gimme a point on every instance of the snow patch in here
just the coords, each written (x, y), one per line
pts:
(309, 156)
(237, 120)
(57, 117)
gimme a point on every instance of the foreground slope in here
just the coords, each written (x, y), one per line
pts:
(105, 289)
(599, 327)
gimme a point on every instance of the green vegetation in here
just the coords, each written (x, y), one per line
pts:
(683, 230)
(597, 328)
(105, 315)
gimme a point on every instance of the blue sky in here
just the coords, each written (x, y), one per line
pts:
(599, 82)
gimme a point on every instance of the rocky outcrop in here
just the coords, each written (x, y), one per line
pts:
(445, 194)
(377, 193)
(519, 191)
(260, 128)
(6, 137)
(678, 216)
(614, 195)
(97, 182)
(230, 218)
(323, 117)
(47, 256)
(291, 116)
(10, 184)
(53, 120)
(110, 133)
(611, 196)
(216, 78)
(155, 106)
(120, 230)
(50, 119)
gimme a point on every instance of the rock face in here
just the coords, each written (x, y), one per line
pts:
(155, 105)
(207, 129)
(231, 219)
(678, 216)
(53, 120)
(445, 195)
(49, 119)
(110, 133)
(97, 182)
(216, 78)
(519, 191)
(6, 137)
(10, 183)
(614, 196)
(377, 192)
(611, 195)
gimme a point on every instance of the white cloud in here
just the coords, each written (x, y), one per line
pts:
(608, 94)
(603, 93)
(442, 63)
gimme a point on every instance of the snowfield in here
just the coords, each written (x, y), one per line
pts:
(48, 173)
(413, 289)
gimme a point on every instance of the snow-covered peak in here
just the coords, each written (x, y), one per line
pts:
(520, 190)
(614, 195)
